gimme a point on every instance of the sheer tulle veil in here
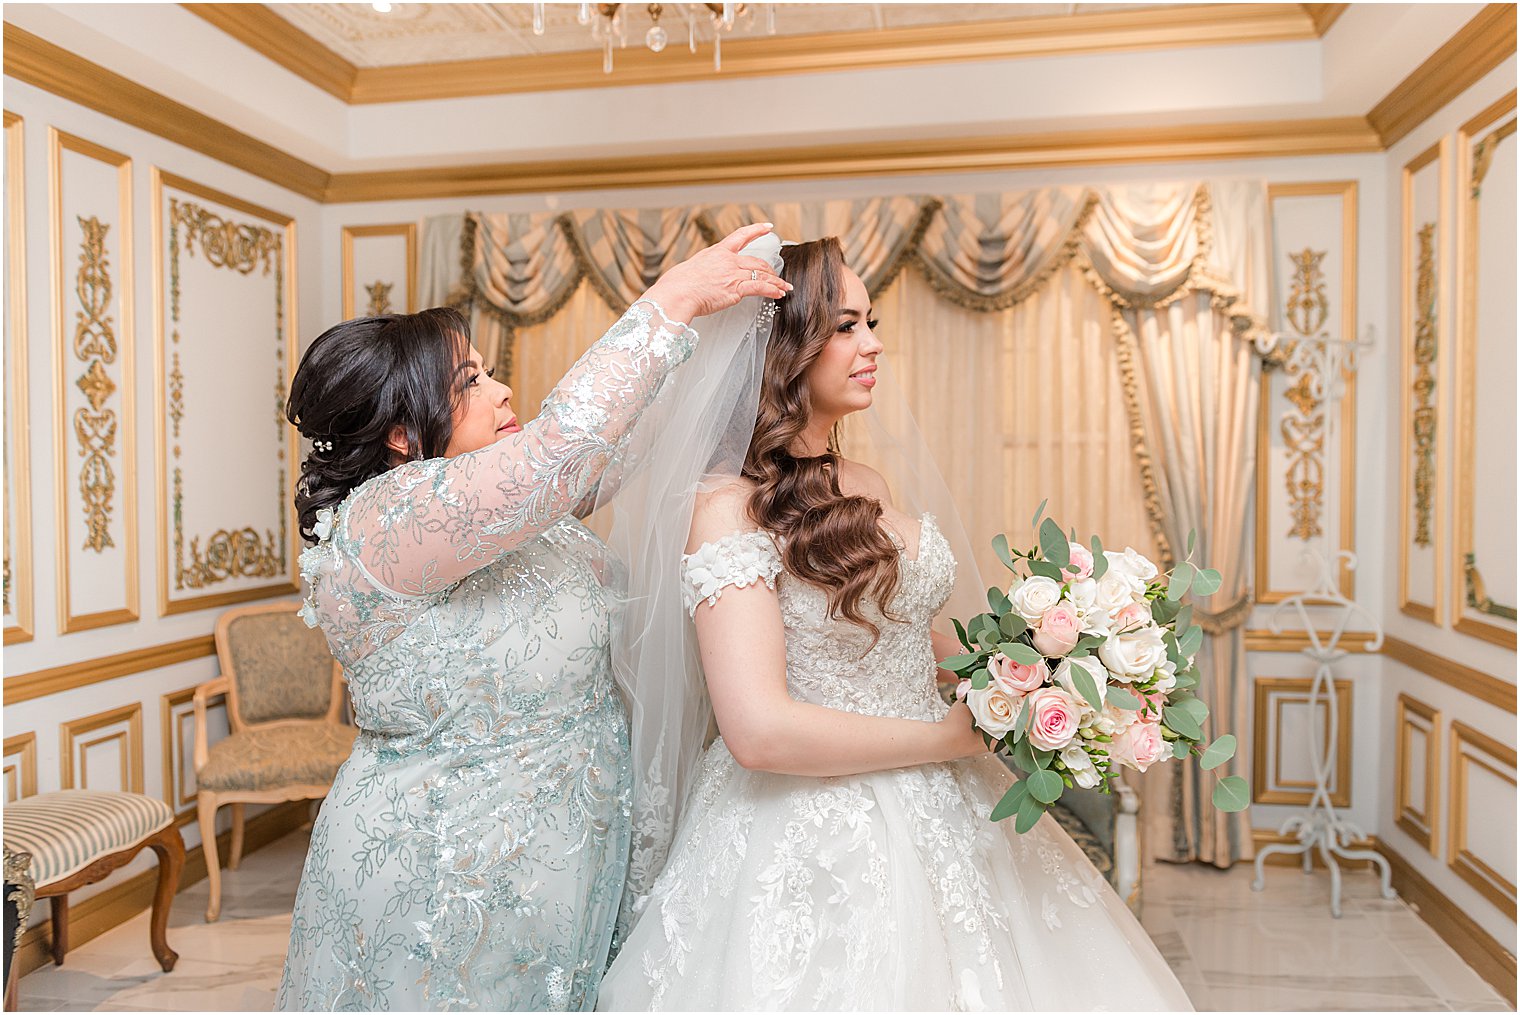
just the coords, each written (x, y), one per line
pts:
(697, 432)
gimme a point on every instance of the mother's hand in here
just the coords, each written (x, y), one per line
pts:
(717, 277)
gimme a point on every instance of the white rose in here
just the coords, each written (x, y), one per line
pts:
(1084, 596)
(1080, 766)
(1135, 655)
(994, 709)
(1114, 720)
(1131, 562)
(1116, 590)
(1033, 597)
(1063, 678)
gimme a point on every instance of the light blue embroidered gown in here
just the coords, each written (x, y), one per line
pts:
(472, 851)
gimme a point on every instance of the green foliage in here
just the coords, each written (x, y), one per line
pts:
(1231, 794)
(1053, 544)
(1218, 753)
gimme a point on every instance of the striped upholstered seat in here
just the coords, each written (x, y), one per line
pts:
(67, 831)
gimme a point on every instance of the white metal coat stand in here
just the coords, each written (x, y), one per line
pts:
(1320, 828)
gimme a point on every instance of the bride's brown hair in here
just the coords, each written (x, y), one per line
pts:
(829, 540)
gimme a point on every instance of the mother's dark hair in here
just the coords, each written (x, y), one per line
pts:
(357, 383)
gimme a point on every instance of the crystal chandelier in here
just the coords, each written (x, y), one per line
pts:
(609, 23)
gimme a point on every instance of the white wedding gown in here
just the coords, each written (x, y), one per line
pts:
(883, 891)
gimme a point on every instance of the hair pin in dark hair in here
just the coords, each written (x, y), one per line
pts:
(322, 445)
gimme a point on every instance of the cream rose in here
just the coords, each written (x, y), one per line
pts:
(1139, 747)
(1053, 723)
(1033, 597)
(1134, 656)
(1116, 590)
(1080, 766)
(1058, 630)
(994, 709)
(1131, 562)
(1063, 679)
(1132, 617)
(1017, 678)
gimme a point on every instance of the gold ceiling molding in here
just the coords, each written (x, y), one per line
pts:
(256, 26)
(1336, 135)
(39, 683)
(1448, 671)
(54, 69)
(1480, 46)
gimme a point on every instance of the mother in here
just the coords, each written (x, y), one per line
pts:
(472, 850)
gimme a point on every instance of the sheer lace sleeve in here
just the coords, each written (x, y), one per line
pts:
(739, 559)
(425, 525)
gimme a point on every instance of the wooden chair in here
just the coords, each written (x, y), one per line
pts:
(284, 709)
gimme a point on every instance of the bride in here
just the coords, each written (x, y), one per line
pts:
(832, 848)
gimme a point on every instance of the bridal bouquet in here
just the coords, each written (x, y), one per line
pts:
(1085, 665)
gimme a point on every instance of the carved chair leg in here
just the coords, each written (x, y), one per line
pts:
(170, 847)
(60, 907)
(235, 854)
(206, 805)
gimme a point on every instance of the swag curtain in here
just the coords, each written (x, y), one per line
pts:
(1088, 327)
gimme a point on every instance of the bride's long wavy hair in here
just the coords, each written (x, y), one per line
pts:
(828, 539)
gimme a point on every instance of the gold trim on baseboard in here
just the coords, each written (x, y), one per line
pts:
(1488, 958)
(1493, 884)
(119, 903)
(407, 230)
(24, 744)
(1428, 612)
(1346, 190)
(65, 473)
(1261, 640)
(1273, 690)
(19, 465)
(1419, 823)
(131, 746)
(1098, 32)
(1477, 48)
(40, 683)
(1480, 685)
(1464, 488)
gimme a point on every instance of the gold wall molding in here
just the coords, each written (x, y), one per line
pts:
(128, 737)
(41, 683)
(379, 298)
(1304, 430)
(18, 464)
(1347, 191)
(1415, 717)
(408, 232)
(54, 69)
(178, 749)
(242, 248)
(1099, 32)
(1476, 142)
(1477, 48)
(1470, 748)
(92, 917)
(1263, 640)
(1469, 681)
(20, 776)
(94, 343)
(1422, 314)
(1272, 693)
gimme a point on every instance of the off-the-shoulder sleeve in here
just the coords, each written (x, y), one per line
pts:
(738, 559)
(425, 525)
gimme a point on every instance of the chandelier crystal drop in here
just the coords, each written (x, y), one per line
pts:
(609, 21)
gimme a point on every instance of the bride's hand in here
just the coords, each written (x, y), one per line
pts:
(963, 740)
(717, 277)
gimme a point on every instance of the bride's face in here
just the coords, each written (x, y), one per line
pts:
(841, 378)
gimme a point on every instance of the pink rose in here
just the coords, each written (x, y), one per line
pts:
(1058, 631)
(1017, 678)
(1132, 617)
(1053, 723)
(1081, 565)
(1140, 746)
(961, 689)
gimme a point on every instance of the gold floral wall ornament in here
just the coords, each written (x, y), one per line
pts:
(379, 298)
(1483, 156)
(1303, 428)
(1477, 595)
(1424, 387)
(95, 345)
(241, 552)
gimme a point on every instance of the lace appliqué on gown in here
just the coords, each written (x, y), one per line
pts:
(739, 559)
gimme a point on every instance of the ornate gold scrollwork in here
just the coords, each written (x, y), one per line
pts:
(95, 345)
(1424, 387)
(227, 553)
(1483, 156)
(379, 298)
(1303, 429)
(1477, 595)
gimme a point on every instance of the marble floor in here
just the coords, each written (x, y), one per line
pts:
(1232, 948)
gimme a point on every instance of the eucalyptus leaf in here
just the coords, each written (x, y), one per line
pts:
(1007, 806)
(1231, 794)
(1185, 680)
(1045, 786)
(1164, 611)
(1207, 583)
(1042, 758)
(1023, 756)
(960, 632)
(980, 679)
(1185, 615)
(1000, 547)
(1012, 625)
(1053, 543)
(960, 662)
(1034, 522)
(1020, 724)
(1120, 697)
(1181, 748)
(1087, 687)
(1181, 722)
(1192, 542)
(998, 600)
(1020, 653)
(1194, 707)
(1191, 641)
(1046, 569)
(1182, 580)
(1030, 812)
(1218, 752)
